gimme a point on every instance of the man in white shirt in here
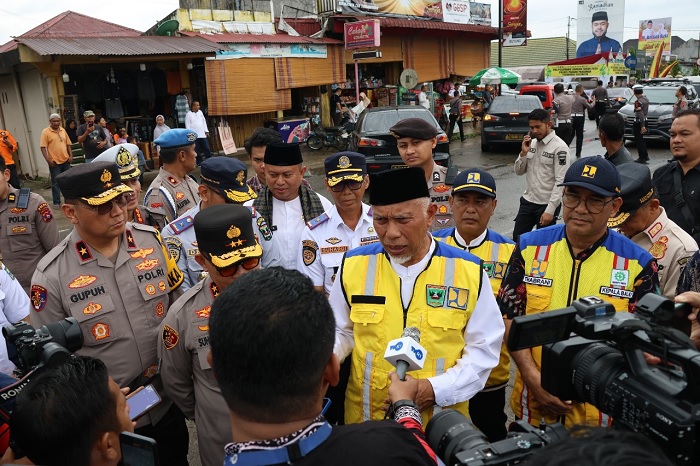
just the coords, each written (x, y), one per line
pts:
(283, 207)
(648, 33)
(411, 280)
(195, 121)
(14, 306)
(423, 97)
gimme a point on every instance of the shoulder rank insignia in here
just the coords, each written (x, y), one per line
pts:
(369, 212)
(214, 289)
(313, 223)
(11, 198)
(172, 180)
(83, 251)
(181, 225)
(253, 211)
(130, 243)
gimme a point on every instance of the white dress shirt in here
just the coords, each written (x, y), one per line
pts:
(483, 335)
(14, 304)
(197, 123)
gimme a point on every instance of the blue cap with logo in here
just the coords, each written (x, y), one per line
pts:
(594, 173)
(475, 180)
(177, 137)
(228, 177)
(345, 166)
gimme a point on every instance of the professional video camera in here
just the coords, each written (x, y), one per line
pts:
(457, 442)
(33, 349)
(605, 365)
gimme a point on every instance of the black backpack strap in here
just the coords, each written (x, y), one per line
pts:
(680, 200)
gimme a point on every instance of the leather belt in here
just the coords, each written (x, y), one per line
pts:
(563, 121)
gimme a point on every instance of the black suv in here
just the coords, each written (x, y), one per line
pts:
(372, 138)
(662, 96)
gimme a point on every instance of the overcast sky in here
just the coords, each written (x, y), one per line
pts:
(546, 18)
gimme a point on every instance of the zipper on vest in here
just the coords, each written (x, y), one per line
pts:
(573, 284)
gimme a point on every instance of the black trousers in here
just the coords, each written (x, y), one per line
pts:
(460, 124)
(172, 437)
(599, 112)
(565, 131)
(487, 410)
(639, 141)
(578, 123)
(529, 216)
(336, 411)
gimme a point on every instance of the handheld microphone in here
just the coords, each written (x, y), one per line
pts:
(406, 353)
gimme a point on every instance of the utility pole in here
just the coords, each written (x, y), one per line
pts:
(568, 34)
(500, 33)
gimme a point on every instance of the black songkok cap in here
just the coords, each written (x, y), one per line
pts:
(398, 185)
(282, 154)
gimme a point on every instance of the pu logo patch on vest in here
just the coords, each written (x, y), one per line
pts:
(142, 253)
(539, 268)
(100, 331)
(435, 295)
(92, 292)
(82, 281)
(589, 171)
(92, 308)
(457, 298)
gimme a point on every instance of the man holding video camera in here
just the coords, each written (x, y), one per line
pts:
(82, 412)
(91, 136)
(271, 341)
(552, 267)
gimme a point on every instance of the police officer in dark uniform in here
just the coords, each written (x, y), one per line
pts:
(117, 279)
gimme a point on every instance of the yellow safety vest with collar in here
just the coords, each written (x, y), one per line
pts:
(495, 251)
(444, 297)
(554, 279)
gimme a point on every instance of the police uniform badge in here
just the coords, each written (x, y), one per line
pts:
(308, 251)
(170, 337)
(264, 229)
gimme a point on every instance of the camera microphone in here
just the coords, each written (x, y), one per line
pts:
(406, 353)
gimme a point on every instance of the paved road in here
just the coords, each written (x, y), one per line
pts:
(467, 154)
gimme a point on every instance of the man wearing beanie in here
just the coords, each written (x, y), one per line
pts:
(600, 42)
(284, 206)
(552, 267)
(473, 202)
(411, 280)
(222, 182)
(117, 279)
(416, 138)
(227, 250)
(173, 192)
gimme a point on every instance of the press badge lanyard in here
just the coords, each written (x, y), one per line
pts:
(282, 455)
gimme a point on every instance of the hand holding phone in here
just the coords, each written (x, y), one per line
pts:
(525, 148)
(142, 400)
(138, 450)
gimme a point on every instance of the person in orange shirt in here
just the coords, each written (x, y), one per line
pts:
(8, 145)
(56, 149)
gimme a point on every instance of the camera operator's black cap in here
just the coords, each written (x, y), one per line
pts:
(599, 16)
(225, 235)
(95, 183)
(416, 128)
(282, 154)
(594, 173)
(398, 185)
(637, 190)
(474, 180)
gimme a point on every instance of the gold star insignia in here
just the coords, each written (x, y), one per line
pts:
(83, 251)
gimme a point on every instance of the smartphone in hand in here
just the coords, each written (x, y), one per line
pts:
(527, 143)
(142, 400)
(138, 450)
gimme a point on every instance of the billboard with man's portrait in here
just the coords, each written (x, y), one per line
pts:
(600, 28)
(653, 33)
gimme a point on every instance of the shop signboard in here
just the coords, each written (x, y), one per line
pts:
(480, 13)
(272, 51)
(514, 23)
(600, 25)
(421, 8)
(654, 33)
(362, 34)
(455, 11)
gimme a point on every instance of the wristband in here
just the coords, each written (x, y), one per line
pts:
(401, 403)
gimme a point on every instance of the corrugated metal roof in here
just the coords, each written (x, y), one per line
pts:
(436, 25)
(232, 38)
(72, 24)
(142, 45)
(537, 52)
(304, 26)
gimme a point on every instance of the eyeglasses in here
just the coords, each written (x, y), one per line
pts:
(104, 209)
(594, 206)
(353, 185)
(247, 264)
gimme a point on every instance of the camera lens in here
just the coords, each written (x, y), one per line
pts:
(594, 367)
(66, 333)
(450, 432)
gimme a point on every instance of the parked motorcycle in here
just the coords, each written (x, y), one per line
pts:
(333, 136)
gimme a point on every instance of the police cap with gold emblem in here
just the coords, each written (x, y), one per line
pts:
(637, 190)
(227, 176)
(594, 173)
(125, 156)
(95, 183)
(397, 185)
(178, 137)
(282, 154)
(345, 166)
(225, 235)
(475, 180)
(416, 128)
